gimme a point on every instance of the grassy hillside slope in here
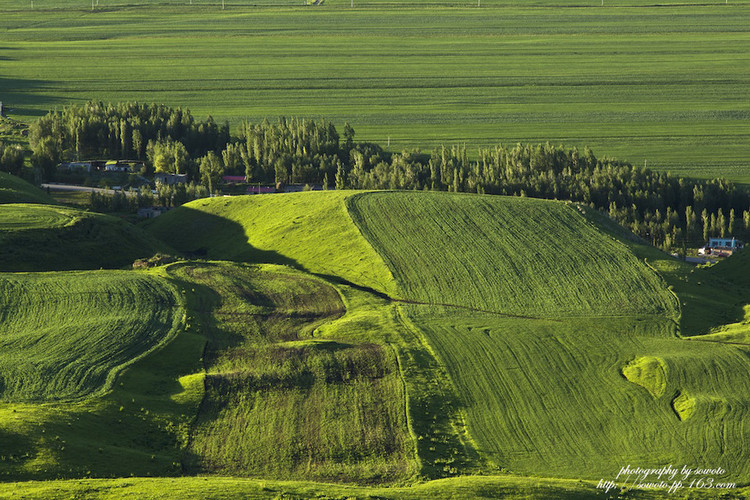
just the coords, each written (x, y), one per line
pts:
(507, 255)
(66, 335)
(16, 190)
(279, 400)
(553, 388)
(496, 349)
(550, 395)
(50, 238)
(311, 231)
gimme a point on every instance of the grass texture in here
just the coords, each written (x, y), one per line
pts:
(549, 344)
(311, 231)
(49, 238)
(279, 402)
(664, 84)
(67, 335)
(505, 255)
(441, 335)
(548, 396)
(223, 488)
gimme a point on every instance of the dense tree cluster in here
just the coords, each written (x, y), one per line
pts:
(166, 196)
(669, 212)
(290, 151)
(121, 131)
(11, 159)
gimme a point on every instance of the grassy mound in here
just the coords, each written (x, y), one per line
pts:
(66, 335)
(508, 255)
(16, 190)
(648, 372)
(312, 231)
(49, 238)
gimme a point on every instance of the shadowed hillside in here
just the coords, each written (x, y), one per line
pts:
(16, 190)
(51, 238)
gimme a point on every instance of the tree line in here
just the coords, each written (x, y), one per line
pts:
(165, 196)
(165, 136)
(668, 211)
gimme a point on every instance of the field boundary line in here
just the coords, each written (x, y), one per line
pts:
(407, 406)
(462, 430)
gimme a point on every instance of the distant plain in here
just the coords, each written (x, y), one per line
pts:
(663, 85)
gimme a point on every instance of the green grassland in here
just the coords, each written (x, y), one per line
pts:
(310, 231)
(48, 238)
(545, 395)
(222, 488)
(281, 402)
(505, 255)
(66, 336)
(16, 190)
(72, 403)
(665, 83)
(539, 329)
(557, 387)
(392, 338)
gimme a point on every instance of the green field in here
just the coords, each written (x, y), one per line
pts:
(398, 344)
(312, 233)
(222, 488)
(667, 84)
(505, 255)
(65, 336)
(546, 391)
(280, 402)
(540, 315)
(50, 238)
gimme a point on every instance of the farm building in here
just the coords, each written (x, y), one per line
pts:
(122, 165)
(234, 179)
(151, 212)
(170, 179)
(723, 247)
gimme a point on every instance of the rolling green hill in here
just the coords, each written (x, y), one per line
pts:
(312, 231)
(15, 190)
(67, 335)
(280, 400)
(506, 255)
(550, 388)
(49, 238)
(389, 337)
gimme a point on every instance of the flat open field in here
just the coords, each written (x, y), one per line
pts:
(666, 84)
